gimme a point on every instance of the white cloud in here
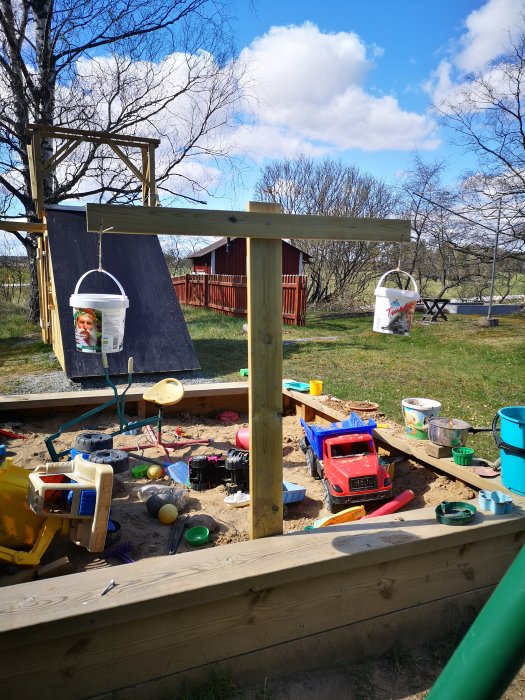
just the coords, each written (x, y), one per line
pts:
(312, 98)
(487, 34)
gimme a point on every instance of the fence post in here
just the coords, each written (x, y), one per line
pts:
(186, 286)
(296, 301)
(206, 295)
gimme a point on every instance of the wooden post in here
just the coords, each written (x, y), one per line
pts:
(264, 265)
(151, 176)
(35, 174)
(145, 193)
(296, 300)
(206, 291)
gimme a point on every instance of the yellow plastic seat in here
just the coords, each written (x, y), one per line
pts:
(167, 392)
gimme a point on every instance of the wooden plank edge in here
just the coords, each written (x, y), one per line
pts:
(346, 645)
(214, 574)
(12, 402)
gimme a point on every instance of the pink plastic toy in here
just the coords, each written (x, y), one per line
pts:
(242, 438)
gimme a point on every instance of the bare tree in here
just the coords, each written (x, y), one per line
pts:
(439, 249)
(338, 269)
(165, 70)
(177, 250)
(487, 116)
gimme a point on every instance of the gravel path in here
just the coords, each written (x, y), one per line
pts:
(55, 382)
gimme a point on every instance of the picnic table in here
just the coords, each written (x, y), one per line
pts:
(434, 309)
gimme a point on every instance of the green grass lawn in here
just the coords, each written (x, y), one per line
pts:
(472, 371)
(21, 348)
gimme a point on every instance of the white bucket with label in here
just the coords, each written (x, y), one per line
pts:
(394, 309)
(417, 414)
(99, 318)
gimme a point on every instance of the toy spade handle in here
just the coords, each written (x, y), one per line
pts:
(130, 365)
(105, 363)
(105, 273)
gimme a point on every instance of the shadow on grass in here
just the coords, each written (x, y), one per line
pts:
(221, 357)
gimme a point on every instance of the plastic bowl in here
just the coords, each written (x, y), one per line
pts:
(197, 535)
(463, 455)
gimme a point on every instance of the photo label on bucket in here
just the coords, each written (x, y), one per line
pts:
(88, 329)
(399, 317)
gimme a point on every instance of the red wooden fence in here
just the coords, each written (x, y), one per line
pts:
(227, 294)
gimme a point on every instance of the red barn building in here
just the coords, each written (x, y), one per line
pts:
(228, 257)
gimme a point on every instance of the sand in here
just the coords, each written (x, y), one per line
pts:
(141, 535)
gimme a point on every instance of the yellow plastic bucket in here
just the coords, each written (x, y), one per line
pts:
(316, 387)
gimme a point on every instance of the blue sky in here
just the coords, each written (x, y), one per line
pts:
(356, 80)
(349, 80)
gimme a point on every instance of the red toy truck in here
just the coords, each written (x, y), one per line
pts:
(345, 458)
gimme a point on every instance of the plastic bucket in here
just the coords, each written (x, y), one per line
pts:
(316, 387)
(99, 318)
(394, 308)
(417, 413)
(511, 445)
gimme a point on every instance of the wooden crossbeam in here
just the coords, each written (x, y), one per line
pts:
(25, 226)
(245, 224)
(60, 132)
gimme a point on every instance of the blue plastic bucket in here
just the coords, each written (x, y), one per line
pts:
(512, 447)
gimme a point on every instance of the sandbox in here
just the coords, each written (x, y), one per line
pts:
(272, 605)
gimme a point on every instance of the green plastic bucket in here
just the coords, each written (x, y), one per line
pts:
(511, 443)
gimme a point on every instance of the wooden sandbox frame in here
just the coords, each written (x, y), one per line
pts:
(265, 607)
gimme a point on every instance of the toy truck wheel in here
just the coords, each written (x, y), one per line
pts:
(91, 442)
(303, 445)
(327, 499)
(311, 463)
(118, 459)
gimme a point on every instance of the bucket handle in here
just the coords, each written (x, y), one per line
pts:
(404, 273)
(106, 273)
(519, 451)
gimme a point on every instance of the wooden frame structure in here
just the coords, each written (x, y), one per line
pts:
(259, 608)
(39, 169)
(264, 225)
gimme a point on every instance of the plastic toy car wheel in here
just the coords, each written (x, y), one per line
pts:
(118, 459)
(303, 445)
(91, 442)
(327, 500)
(311, 463)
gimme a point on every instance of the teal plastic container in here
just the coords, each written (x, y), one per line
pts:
(512, 447)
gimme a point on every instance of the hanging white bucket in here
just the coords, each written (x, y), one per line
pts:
(394, 309)
(99, 318)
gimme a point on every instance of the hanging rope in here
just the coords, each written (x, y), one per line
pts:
(101, 231)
